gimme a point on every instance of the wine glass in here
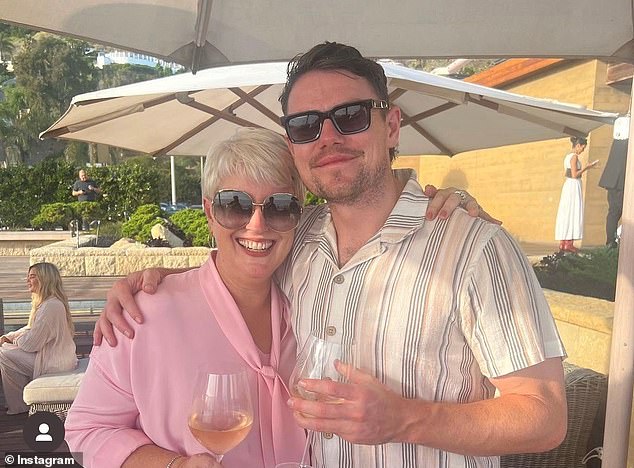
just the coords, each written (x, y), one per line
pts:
(222, 413)
(316, 360)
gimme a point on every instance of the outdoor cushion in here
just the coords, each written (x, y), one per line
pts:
(54, 388)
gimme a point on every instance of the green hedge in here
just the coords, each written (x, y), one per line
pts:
(590, 273)
(24, 191)
(193, 223)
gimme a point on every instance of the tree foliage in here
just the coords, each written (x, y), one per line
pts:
(127, 186)
(49, 71)
(24, 190)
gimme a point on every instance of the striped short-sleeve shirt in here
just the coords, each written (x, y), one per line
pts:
(433, 307)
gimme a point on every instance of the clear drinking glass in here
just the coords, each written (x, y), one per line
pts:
(316, 361)
(222, 413)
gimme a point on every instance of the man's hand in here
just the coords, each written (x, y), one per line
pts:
(363, 411)
(445, 201)
(121, 296)
(200, 460)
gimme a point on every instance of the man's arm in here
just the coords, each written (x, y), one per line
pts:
(76, 191)
(121, 295)
(530, 415)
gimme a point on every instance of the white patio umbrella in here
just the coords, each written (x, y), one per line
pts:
(205, 33)
(185, 114)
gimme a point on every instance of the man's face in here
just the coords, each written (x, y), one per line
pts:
(82, 175)
(343, 168)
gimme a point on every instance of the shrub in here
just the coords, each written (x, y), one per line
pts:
(590, 273)
(193, 223)
(140, 223)
(89, 210)
(109, 233)
(53, 215)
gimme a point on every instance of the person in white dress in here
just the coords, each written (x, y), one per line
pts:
(45, 345)
(569, 224)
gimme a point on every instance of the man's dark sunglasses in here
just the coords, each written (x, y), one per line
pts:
(350, 118)
(233, 209)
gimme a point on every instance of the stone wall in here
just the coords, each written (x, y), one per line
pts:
(119, 261)
(22, 242)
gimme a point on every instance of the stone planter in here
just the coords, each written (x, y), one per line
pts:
(96, 261)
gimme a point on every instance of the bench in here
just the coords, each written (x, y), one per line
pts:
(54, 392)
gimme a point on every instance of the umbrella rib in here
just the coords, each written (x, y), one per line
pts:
(433, 140)
(217, 115)
(519, 114)
(397, 93)
(222, 114)
(248, 98)
(428, 113)
(186, 136)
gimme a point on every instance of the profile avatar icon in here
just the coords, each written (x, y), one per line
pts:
(44, 436)
(43, 431)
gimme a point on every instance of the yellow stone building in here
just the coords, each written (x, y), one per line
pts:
(521, 184)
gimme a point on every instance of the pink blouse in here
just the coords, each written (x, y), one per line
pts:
(140, 392)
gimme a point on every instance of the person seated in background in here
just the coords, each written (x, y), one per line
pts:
(45, 345)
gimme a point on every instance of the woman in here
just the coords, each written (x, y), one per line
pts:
(133, 404)
(569, 225)
(45, 344)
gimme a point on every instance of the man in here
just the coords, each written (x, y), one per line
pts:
(442, 311)
(613, 180)
(85, 189)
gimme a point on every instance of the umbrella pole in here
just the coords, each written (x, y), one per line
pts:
(621, 376)
(173, 179)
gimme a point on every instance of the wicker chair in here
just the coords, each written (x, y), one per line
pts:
(585, 389)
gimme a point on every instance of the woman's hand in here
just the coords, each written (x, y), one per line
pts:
(4, 339)
(445, 201)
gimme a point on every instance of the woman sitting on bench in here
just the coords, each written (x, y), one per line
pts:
(45, 344)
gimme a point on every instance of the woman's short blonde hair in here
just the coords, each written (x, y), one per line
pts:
(257, 154)
(50, 285)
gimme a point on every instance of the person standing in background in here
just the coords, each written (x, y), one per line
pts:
(85, 189)
(569, 224)
(613, 180)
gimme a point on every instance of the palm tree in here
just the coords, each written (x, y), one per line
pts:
(6, 47)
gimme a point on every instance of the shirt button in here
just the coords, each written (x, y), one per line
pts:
(338, 279)
(327, 435)
(331, 331)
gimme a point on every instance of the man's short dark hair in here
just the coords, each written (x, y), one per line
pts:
(335, 56)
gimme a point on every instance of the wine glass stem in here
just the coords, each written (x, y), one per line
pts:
(305, 461)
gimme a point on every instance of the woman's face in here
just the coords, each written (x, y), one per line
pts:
(32, 282)
(579, 148)
(254, 251)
